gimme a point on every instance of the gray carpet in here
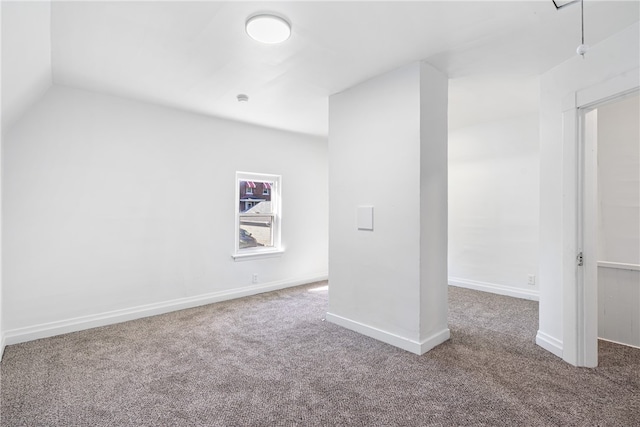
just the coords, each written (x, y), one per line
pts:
(271, 360)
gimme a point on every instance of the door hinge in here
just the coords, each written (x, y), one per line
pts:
(580, 260)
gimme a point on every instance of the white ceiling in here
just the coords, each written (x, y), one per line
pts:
(26, 57)
(196, 56)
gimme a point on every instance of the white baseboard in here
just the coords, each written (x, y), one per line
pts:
(50, 329)
(3, 344)
(434, 340)
(494, 288)
(407, 344)
(549, 343)
(620, 343)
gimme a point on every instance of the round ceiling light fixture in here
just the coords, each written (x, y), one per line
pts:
(268, 28)
(242, 97)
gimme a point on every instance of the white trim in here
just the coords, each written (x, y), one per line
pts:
(613, 88)
(389, 338)
(549, 343)
(50, 329)
(619, 265)
(578, 312)
(257, 255)
(620, 343)
(587, 276)
(276, 214)
(569, 234)
(434, 340)
(494, 288)
(3, 344)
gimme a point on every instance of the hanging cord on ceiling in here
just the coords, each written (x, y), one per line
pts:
(582, 18)
(582, 49)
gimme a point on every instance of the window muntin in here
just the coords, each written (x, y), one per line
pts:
(257, 213)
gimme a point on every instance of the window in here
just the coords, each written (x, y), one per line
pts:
(257, 215)
(248, 187)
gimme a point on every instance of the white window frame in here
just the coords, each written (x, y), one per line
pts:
(276, 207)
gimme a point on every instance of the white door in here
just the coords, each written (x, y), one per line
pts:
(588, 242)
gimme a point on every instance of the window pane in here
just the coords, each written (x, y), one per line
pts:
(255, 197)
(256, 231)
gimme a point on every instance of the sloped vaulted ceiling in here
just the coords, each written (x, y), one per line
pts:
(196, 56)
(26, 57)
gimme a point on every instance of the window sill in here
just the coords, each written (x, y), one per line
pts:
(257, 255)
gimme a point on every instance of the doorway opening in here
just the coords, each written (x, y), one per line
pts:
(609, 225)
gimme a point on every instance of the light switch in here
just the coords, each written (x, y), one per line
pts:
(365, 217)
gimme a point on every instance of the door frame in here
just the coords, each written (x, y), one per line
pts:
(580, 310)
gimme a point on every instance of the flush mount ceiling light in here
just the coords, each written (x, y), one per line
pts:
(267, 28)
(242, 97)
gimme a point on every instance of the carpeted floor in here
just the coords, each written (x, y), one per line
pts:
(272, 360)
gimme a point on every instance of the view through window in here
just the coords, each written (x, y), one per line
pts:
(257, 214)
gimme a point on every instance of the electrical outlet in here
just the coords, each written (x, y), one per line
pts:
(254, 278)
(532, 280)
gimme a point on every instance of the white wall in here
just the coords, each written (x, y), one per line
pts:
(434, 304)
(26, 54)
(619, 304)
(619, 221)
(557, 270)
(384, 135)
(494, 206)
(374, 150)
(619, 181)
(25, 40)
(2, 343)
(113, 204)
